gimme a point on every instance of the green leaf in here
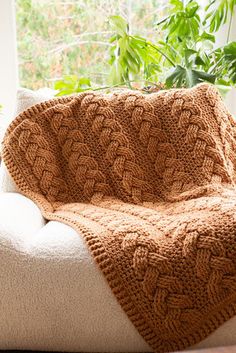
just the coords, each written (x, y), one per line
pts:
(72, 84)
(119, 25)
(84, 81)
(230, 49)
(123, 43)
(177, 5)
(113, 38)
(117, 74)
(188, 53)
(201, 76)
(230, 60)
(183, 23)
(64, 92)
(199, 60)
(207, 36)
(218, 12)
(187, 77)
(177, 77)
(192, 8)
(139, 39)
(59, 85)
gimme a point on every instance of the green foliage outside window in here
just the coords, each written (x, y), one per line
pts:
(71, 37)
(174, 47)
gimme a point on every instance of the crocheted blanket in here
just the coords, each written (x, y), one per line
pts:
(149, 181)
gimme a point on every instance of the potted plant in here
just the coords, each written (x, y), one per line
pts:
(183, 56)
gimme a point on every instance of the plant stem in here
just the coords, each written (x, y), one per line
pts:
(162, 21)
(121, 84)
(161, 52)
(129, 84)
(215, 66)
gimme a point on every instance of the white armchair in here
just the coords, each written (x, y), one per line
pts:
(52, 294)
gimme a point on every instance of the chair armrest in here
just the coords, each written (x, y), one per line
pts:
(7, 184)
(19, 216)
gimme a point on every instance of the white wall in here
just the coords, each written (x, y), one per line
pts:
(221, 39)
(231, 98)
(8, 57)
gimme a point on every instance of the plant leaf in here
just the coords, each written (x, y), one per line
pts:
(218, 14)
(230, 60)
(119, 25)
(188, 77)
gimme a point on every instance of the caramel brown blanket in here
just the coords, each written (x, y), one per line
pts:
(149, 181)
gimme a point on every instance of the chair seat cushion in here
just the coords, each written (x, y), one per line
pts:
(52, 294)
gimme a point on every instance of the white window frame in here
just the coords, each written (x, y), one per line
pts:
(8, 58)
(9, 79)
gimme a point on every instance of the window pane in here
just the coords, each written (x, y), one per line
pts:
(72, 36)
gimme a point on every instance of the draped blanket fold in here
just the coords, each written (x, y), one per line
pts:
(149, 182)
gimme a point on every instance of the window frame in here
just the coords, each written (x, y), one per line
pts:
(8, 57)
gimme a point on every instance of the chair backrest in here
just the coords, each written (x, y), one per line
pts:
(25, 99)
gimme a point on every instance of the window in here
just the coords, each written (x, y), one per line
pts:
(72, 36)
(57, 37)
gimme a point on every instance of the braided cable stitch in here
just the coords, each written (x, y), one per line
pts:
(148, 180)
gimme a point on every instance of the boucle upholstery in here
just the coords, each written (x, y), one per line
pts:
(160, 224)
(53, 296)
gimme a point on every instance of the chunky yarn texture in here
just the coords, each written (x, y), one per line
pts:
(149, 181)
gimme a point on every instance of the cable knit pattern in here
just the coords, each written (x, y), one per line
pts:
(149, 181)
